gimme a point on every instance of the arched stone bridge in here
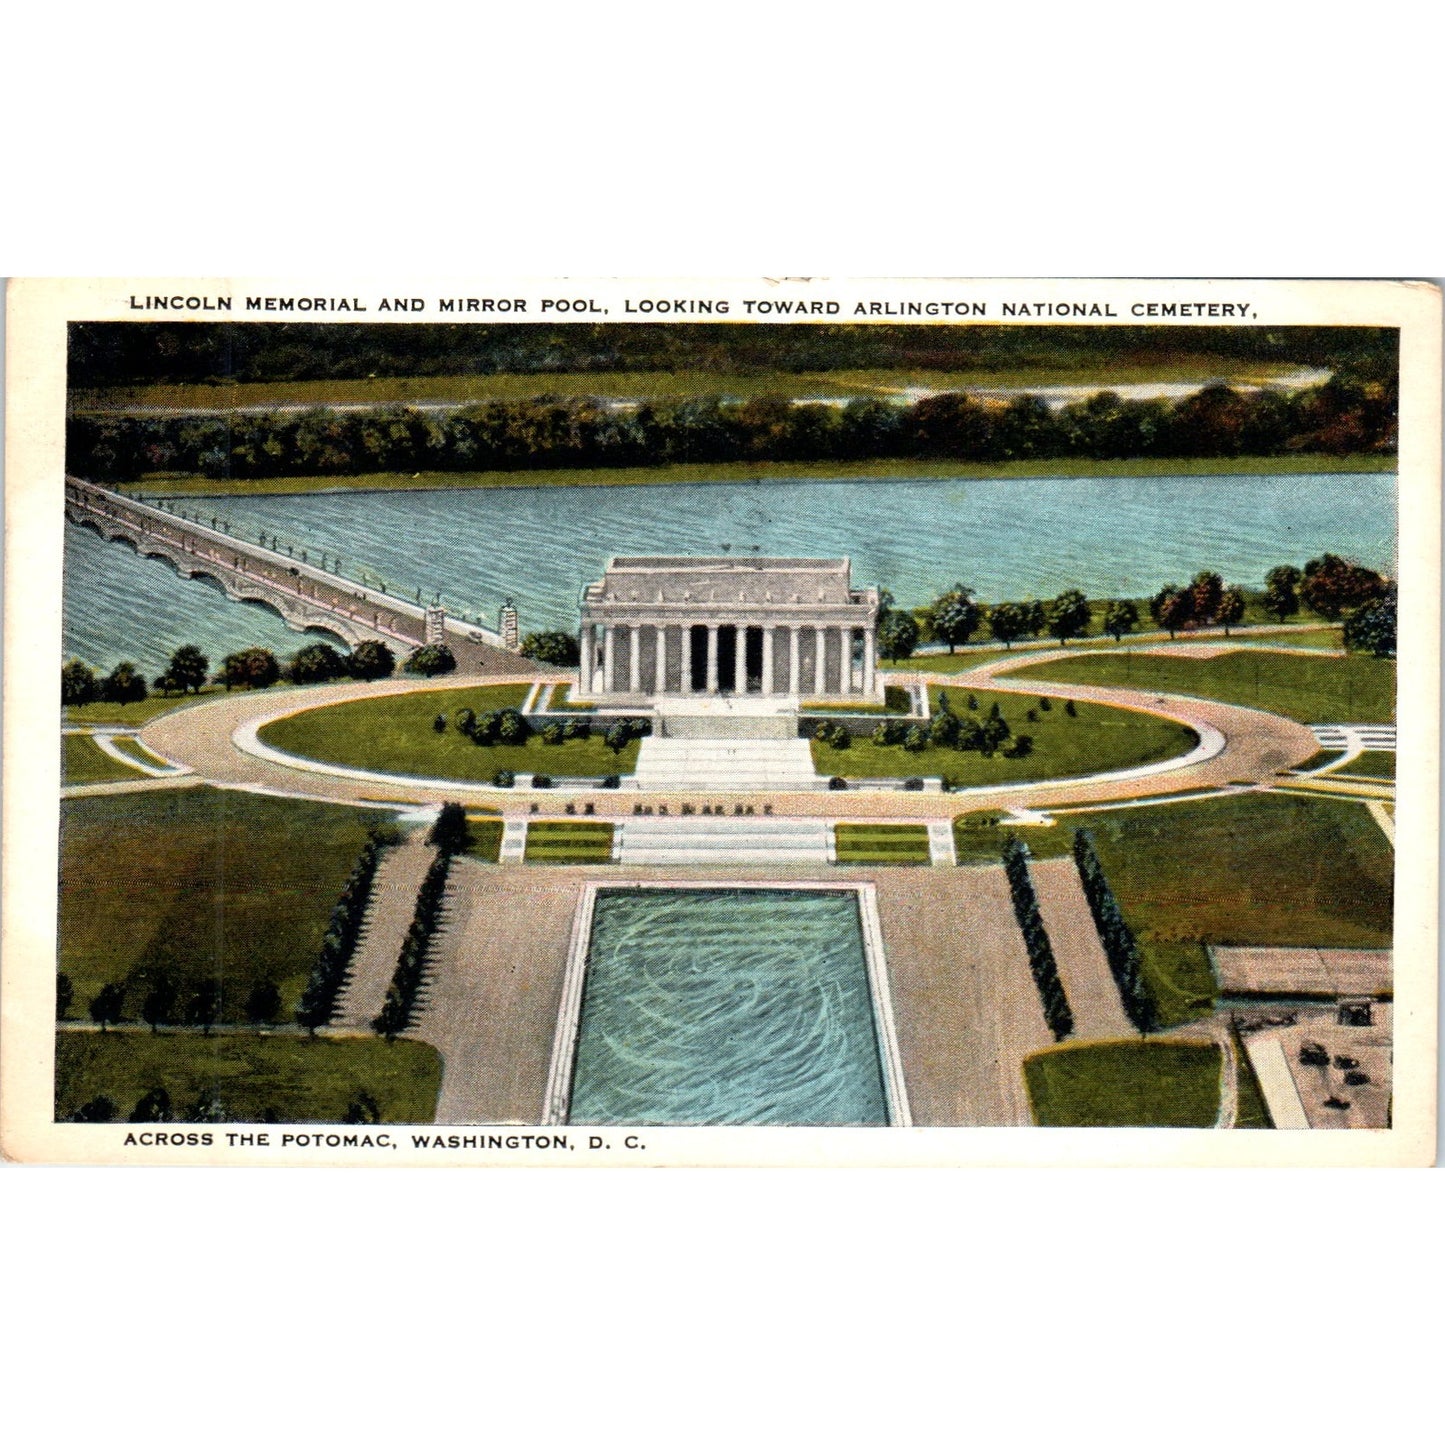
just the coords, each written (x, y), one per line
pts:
(304, 595)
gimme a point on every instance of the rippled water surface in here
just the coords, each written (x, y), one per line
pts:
(1027, 537)
(721, 1006)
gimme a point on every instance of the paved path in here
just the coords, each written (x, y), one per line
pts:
(1084, 969)
(388, 917)
(1254, 746)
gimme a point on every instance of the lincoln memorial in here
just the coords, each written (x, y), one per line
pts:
(724, 626)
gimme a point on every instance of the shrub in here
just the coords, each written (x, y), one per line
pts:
(328, 974)
(78, 684)
(913, 785)
(561, 649)
(431, 661)
(837, 784)
(1121, 948)
(915, 740)
(1021, 747)
(370, 661)
(943, 730)
(577, 729)
(439, 723)
(1042, 964)
(541, 780)
(401, 996)
(503, 778)
(612, 780)
(465, 721)
(1070, 710)
(553, 734)
(1045, 705)
(316, 662)
(450, 834)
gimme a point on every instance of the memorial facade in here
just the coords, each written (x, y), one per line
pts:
(729, 626)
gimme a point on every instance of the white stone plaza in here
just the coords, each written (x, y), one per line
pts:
(706, 627)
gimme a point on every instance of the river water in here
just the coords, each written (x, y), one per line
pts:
(1114, 536)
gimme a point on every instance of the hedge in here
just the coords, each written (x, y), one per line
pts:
(1121, 948)
(1057, 1013)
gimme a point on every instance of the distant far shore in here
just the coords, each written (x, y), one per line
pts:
(886, 470)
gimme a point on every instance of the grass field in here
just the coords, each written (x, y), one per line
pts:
(569, 843)
(133, 714)
(300, 1080)
(486, 842)
(1099, 739)
(882, 469)
(1252, 1112)
(902, 843)
(1125, 1085)
(513, 386)
(396, 735)
(1368, 765)
(1260, 868)
(82, 762)
(199, 883)
(1309, 689)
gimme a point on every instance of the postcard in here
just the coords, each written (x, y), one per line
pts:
(615, 723)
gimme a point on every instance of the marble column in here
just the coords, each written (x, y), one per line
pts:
(768, 660)
(659, 635)
(820, 660)
(740, 661)
(845, 660)
(585, 659)
(609, 659)
(712, 659)
(634, 658)
(794, 660)
(870, 660)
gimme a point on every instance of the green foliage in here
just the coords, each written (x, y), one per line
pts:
(401, 996)
(333, 963)
(188, 668)
(105, 1007)
(554, 734)
(1371, 628)
(125, 684)
(897, 636)
(915, 740)
(1231, 608)
(450, 833)
(1121, 948)
(561, 649)
(64, 995)
(153, 1108)
(1042, 964)
(316, 662)
(1008, 622)
(1171, 607)
(1134, 1084)
(263, 1002)
(1122, 616)
(1068, 615)
(431, 661)
(78, 684)
(1280, 597)
(100, 1110)
(371, 660)
(160, 1002)
(204, 1007)
(251, 667)
(954, 617)
(1332, 586)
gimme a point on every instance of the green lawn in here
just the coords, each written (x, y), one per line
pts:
(1368, 765)
(302, 1080)
(569, 842)
(1253, 1113)
(1138, 1084)
(902, 843)
(1309, 689)
(82, 762)
(883, 469)
(486, 842)
(134, 748)
(133, 714)
(1098, 739)
(396, 735)
(197, 883)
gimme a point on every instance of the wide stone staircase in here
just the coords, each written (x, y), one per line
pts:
(724, 840)
(726, 765)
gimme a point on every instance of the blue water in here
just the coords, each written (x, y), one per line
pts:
(1109, 536)
(716, 1006)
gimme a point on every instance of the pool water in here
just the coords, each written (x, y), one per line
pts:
(727, 1006)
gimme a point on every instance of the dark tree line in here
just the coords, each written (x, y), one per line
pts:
(401, 995)
(1042, 964)
(109, 354)
(1344, 415)
(1121, 948)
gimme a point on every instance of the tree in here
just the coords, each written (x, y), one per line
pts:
(617, 736)
(1280, 597)
(511, 729)
(78, 684)
(1068, 615)
(105, 1007)
(1122, 616)
(251, 667)
(1007, 622)
(1332, 585)
(124, 685)
(317, 662)
(955, 616)
(897, 636)
(450, 834)
(263, 1003)
(561, 649)
(205, 1005)
(1230, 609)
(1035, 616)
(994, 731)
(1171, 607)
(64, 994)
(430, 661)
(100, 1110)
(159, 1005)
(363, 1109)
(188, 668)
(153, 1108)
(371, 660)
(1206, 591)
(1371, 628)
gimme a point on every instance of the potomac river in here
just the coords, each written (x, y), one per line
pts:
(1006, 538)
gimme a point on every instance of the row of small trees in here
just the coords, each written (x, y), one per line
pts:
(1042, 964)
(1121, 948)
(155, 1107)
(508, 727)
(333, 963)
(165, 1002)
(449, 836)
